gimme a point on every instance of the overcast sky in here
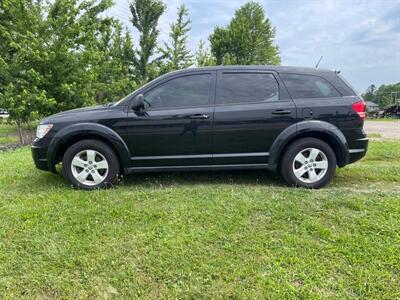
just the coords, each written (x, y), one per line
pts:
(360, 38)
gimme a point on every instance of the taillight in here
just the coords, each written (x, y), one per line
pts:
(360, 107)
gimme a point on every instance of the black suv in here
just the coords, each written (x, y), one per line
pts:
(301, 122)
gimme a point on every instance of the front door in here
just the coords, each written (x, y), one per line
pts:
(251, 109)
(175, 129)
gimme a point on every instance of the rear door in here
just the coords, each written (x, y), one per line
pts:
(251, 109)
(315, 97)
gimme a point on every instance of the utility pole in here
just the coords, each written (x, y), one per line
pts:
(394, 97)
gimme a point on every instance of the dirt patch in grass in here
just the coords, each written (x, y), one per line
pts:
(386, 129)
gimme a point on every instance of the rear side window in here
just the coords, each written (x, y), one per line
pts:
(308, 86)
(236, 88)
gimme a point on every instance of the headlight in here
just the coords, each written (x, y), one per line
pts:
(42, 130)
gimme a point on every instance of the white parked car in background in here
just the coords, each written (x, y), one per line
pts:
(3, 113)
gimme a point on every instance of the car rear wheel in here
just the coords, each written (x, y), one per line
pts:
(90, 164)
(308, 163)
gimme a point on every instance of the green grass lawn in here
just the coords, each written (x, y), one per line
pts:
(375, 135)
(9, 132)
(202, 235)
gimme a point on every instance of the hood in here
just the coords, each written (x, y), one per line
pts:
(84, 112)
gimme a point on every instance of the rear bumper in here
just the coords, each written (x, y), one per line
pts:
(356, 154)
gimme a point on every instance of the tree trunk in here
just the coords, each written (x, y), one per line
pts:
(30, 136)
(21, 137)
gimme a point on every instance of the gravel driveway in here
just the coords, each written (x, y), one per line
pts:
(387, 129)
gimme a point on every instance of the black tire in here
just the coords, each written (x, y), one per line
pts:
(110, 176)
(287, 163)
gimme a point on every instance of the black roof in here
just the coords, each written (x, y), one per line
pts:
(344, 89)
(279, 69)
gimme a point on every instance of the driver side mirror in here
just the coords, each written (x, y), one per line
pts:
(138, 103)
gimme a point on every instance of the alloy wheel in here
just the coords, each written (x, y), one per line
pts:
(89, 167)
(310, 165)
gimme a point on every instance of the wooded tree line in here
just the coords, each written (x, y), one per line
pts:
(61, 54)
(384, 96)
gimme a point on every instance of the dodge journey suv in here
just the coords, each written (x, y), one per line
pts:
(300, 122)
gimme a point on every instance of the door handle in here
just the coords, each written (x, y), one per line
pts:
(198, 116)
(281, 112)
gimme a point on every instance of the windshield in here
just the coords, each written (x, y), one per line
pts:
(120, 100)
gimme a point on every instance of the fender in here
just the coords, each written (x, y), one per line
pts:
(304, 127)
(86, 129)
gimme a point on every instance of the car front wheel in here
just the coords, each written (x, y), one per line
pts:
(90, 164)
(308, 163)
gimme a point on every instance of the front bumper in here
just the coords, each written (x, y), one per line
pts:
(39, 154)
(39, 157)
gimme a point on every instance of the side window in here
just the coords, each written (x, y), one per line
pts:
(308, 86)
(186, 91)
(236, 88)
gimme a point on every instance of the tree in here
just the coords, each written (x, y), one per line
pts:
(370, 93)
(248, 39)
(21, 84)
(145, 16)
(203, 56)
(176, 54)
(115, 74)
(73, 35)
(60, 55)
(220, 44)
(384, 95)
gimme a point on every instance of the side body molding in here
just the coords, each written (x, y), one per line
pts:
(86, 129)
(309, 127)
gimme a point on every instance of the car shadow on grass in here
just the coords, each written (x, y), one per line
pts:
(232, 177)
(251, 177)
(245, 177)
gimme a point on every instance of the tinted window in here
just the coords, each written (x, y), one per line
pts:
(246, 88)
(308, 86)
(187, 91)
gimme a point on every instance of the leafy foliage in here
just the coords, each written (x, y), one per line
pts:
(145, 16)
(115, 73)
(74, 52)
(370, 93)
(383, 96)
(22, 89)
(60, 55)
(203, 56)
(176, 55)
(248, 39)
